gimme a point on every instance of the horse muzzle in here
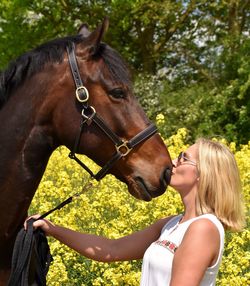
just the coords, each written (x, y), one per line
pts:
(166, 177)
(144, 190)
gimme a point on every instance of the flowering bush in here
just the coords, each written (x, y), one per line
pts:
(107, 209)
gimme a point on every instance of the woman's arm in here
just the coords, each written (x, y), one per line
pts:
(103, 249)
(198, 251)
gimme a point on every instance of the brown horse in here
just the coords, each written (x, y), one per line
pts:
(39, 112)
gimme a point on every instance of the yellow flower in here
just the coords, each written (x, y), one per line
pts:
(108, 209)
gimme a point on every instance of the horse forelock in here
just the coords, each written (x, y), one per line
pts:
(34, 61)
(116, 65)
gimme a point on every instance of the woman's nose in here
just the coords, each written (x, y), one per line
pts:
(174, 162)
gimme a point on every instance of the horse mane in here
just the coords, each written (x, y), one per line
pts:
(34, 61)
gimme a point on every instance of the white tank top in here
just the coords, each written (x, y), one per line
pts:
(158, 258)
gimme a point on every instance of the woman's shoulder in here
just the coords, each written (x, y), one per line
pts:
(207, 224)
(208, 220)
(203, 224)
(200, 233)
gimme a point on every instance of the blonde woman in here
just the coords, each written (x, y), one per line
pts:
(183, 249)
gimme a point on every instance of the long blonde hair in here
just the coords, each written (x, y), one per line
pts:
(219, 190)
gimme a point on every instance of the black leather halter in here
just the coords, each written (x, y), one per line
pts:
(90, 116)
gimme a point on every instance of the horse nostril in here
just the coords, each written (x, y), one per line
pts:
(166, 176)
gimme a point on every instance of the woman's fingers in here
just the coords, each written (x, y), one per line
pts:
(40, 223)
(44, 224)
(30, 217)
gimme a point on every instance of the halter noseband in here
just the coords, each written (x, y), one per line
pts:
(89, 116)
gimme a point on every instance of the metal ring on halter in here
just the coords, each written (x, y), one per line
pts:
(85, 91)
(123, 149)
(88, 118)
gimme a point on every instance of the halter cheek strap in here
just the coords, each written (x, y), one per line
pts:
(90, 116)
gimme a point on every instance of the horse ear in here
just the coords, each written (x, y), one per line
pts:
(84, 31)
(92, 42)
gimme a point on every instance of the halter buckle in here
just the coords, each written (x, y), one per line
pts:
(123, 149)
(88, 118)
(82, 91)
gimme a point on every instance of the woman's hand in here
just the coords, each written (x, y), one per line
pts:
(44, 224)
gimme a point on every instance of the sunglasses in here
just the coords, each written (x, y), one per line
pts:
(182, 159)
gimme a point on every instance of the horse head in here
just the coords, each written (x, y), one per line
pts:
(147, 168)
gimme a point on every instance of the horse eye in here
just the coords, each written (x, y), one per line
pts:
(118, 93)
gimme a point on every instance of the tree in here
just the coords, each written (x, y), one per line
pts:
(26, 24)
(185, 37)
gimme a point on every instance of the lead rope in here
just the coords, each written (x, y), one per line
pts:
(67, 201)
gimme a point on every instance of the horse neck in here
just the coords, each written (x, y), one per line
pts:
(25, 149)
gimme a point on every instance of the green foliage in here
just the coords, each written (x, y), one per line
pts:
(107, 209)
(24, 24)
(203, 109)
(186, 36)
